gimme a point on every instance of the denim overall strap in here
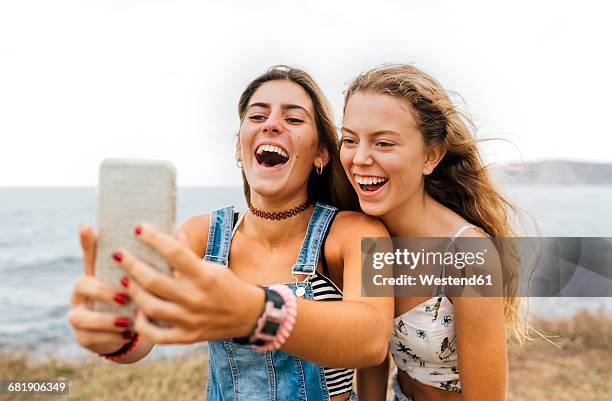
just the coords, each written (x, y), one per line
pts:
(311, 247)
(239, 373)
(220, 235)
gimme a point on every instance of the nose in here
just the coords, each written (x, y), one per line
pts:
(273, 124)
(362, 156)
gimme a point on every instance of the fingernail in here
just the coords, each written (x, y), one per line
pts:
(138, 230)
(135, 313)
(125, 281)
(127, 335)
(122, 321)
(118, 256)
(121, 298)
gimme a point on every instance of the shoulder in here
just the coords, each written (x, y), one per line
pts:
(474, 232)
(358, 224)
(343, 243)
(481, 259)
(474, 238)
(470, 237)
(477, 303)
(196, 228)
(349, 227)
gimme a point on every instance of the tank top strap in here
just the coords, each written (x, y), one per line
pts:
(308, 257)
(238, 217)
(441, 289)
(462, 229)
(220, 235)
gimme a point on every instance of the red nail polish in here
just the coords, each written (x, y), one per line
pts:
(138, 230)
(127, 335)
(121, 299)
(118, 256)
(122, 321)
(125, 281)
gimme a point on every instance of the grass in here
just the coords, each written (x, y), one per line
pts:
(182, 378)
(574, 363)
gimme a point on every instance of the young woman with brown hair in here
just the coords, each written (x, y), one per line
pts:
(292, 233)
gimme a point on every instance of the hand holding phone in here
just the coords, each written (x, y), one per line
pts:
(96, 331)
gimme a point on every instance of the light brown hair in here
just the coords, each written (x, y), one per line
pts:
(332, 186)
(461, 181)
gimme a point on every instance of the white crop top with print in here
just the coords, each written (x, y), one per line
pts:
(424, 343)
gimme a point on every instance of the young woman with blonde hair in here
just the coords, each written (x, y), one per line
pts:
(414, 162)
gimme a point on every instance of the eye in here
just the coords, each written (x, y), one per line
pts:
(293, 120)
(347, 141)
(384, 144)
(257, 117)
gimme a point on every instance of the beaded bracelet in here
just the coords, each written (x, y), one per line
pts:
(123, 351)
(283, 317)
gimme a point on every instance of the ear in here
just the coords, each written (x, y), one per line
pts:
(435, 154)
(322, 157)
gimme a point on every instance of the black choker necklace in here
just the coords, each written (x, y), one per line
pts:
(285, 214)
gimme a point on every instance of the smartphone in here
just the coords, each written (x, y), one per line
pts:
(131, 192)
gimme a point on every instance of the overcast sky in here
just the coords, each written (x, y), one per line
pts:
(84, 80)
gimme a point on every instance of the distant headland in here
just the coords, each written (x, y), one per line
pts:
(557, 172)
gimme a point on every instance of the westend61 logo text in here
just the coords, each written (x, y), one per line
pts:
(413, 259)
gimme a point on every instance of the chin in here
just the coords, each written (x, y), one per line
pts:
(266, 190)
(376, 209)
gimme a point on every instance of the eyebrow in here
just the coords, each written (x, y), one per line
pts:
(375, 133)
(284, 106)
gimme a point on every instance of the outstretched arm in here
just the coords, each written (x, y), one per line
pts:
(206, 302)
(353, 332)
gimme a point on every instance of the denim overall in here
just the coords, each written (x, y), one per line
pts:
(238, 372)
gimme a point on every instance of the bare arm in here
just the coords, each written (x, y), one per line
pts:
(353, 332)
(372, 382)
(481, 345)
(350, 333)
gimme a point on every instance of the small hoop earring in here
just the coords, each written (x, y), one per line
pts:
(239, 164)
(320, 169)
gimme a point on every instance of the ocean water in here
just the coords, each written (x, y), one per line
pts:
(40, 255)
(566, 211)
(40, 258)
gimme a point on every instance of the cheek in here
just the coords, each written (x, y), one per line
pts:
(305, 146)
(245, 135)
(346, 157)
(405, 167)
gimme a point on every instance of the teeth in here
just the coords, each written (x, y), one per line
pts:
(369, 180)
(271, 148)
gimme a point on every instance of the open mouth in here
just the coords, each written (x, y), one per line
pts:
(370, 184)
(271, 156)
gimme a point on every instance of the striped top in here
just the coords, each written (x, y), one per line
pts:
(338, 380)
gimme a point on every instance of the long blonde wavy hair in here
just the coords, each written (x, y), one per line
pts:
(461, 181)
